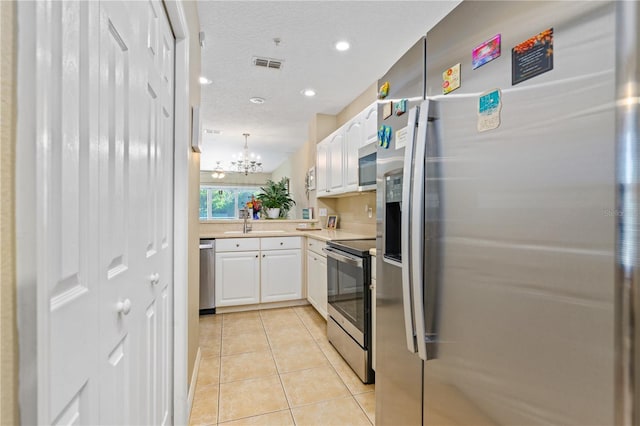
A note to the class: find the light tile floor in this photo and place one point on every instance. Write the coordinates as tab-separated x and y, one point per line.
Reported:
276	367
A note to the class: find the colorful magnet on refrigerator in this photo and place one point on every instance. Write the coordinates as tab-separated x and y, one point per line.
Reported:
384	90
387	109
384	136
400	107
489	107
485	52
388	132
451	79
381	136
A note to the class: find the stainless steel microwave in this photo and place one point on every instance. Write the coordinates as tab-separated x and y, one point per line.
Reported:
367	167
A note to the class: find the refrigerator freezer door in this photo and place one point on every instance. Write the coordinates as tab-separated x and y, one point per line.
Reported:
398	371
525	325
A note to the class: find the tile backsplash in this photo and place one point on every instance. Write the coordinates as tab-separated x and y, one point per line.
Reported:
352	212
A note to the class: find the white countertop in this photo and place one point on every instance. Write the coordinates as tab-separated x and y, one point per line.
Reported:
322	235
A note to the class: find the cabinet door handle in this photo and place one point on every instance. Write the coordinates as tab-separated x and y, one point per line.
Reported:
281	243
256	256
237	245
263	255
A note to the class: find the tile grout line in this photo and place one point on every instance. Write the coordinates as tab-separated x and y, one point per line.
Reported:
351	394
277	370
220	369
366	416
308	322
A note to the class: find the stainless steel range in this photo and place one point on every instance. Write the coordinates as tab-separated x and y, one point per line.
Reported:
349	296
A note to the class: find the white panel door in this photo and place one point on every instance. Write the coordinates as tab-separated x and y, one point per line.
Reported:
104	194
352	141
237	278
281	275
66	193
157	186
136	164
118	234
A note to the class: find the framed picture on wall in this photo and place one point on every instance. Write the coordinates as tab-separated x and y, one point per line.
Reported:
332	221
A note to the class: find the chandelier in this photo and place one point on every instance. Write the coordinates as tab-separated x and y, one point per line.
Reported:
218	173
247	163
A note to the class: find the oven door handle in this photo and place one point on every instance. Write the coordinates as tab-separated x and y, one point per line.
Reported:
342	258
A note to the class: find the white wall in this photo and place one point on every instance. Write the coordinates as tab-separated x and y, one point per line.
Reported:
236	179
295	168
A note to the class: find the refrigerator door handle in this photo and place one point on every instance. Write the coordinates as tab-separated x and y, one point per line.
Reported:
417	229
407	300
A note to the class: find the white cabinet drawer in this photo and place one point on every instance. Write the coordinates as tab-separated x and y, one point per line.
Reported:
316	246
280	243
237	244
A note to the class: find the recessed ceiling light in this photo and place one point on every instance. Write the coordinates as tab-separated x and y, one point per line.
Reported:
204	81
342	45
257	100
309	92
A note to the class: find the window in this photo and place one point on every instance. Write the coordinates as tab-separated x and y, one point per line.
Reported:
223	202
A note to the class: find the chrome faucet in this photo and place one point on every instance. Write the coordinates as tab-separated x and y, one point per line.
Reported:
246	226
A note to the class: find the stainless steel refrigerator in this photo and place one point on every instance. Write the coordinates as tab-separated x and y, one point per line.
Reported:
497	220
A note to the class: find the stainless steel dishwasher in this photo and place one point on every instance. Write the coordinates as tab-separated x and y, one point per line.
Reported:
207	277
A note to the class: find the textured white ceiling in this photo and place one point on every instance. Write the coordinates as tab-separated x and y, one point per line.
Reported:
379	33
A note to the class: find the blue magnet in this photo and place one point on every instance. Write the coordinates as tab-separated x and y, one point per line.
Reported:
384	136
400	107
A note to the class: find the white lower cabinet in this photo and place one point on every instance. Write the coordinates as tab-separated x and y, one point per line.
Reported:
281	275
317	276
237	278
317	282
258	270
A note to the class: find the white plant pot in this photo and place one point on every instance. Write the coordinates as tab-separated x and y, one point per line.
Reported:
273	213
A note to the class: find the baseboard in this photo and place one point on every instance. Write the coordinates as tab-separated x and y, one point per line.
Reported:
258	306
192	387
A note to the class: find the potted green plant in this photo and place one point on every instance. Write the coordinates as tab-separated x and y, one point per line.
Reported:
275	198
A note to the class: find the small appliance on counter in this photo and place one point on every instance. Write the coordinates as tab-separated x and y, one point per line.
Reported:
207	277
349	327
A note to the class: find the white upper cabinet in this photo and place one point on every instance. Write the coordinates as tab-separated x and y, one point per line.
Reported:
353	141
336	161
329	165
322	167
370	123
337	155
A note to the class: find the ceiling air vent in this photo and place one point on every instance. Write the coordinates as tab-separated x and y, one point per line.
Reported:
275	64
